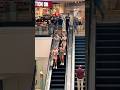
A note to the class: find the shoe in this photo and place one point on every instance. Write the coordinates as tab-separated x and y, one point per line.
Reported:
56	67
60	63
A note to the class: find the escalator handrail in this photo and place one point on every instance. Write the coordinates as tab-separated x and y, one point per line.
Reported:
73	62
90	68
67	67
68	75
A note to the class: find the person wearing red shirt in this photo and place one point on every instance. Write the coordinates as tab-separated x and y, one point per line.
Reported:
80	77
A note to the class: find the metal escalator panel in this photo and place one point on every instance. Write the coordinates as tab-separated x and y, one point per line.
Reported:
80	55
58	77
108	57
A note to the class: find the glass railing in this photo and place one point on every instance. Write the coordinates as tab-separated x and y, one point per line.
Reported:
43	29
46	81
68	75
73	61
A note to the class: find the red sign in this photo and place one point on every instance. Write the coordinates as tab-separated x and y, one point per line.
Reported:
38	4
46	4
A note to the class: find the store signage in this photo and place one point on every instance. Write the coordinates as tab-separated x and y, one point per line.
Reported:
39	4
47	4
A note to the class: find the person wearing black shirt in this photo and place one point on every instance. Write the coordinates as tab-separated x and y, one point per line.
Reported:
67	23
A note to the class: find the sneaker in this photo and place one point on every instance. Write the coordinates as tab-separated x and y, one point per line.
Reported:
56	67
62	63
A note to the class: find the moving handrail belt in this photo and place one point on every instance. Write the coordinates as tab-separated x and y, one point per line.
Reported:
69	81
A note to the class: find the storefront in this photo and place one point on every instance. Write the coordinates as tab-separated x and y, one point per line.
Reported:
42	8
48	8
57	9
76	8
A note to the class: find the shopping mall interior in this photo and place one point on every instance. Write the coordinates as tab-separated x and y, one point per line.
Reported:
59	44
49	15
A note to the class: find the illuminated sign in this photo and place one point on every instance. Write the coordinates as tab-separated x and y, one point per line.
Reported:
46	4
39	4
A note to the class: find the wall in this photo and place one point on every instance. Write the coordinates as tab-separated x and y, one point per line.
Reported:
42	46
17	83
42	51
17	57
111	11
16	50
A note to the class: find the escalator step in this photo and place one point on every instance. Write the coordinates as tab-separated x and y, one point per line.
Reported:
80	54
108	56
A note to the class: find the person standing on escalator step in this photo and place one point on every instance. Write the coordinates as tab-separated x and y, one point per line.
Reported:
61	54
56	40
60	24
64	40
55	57
80	77
67	23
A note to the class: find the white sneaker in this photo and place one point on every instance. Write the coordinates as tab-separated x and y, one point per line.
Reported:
56	67
62	63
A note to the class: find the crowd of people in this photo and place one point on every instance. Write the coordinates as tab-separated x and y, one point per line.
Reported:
49	24
79	24
59	48
52	23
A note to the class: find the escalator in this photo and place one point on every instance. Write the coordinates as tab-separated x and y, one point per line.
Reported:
108	57
58	77
79	54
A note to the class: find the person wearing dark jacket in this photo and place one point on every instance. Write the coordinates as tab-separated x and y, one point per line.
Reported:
67	23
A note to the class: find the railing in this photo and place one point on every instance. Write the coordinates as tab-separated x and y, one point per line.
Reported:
49	69
73	62
68	75
90	47
43	30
